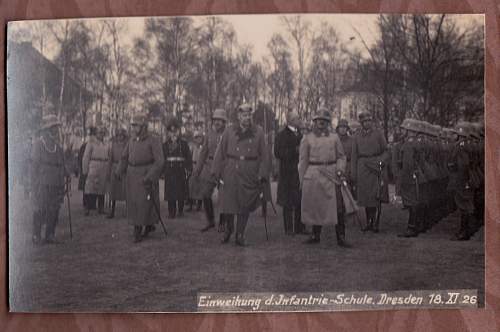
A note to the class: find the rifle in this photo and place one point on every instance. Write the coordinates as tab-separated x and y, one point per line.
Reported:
265	212
150	197
379	194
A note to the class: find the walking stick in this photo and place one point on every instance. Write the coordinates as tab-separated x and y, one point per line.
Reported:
265	212
69	208
157	210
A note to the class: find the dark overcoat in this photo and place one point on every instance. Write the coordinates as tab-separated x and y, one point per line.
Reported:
241	159
407	173
178	166
286	150
142	161
47	175
368	149
459	184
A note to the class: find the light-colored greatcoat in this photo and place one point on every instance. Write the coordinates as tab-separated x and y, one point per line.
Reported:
142	160
116	185
319	200
95	166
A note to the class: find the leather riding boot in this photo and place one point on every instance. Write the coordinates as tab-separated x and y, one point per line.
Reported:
369	219
222	223
340	232
100	204
111	214
375	220
315	237
50	229
241	225
229	221
148	229
412	228
137	234
462	234
209	213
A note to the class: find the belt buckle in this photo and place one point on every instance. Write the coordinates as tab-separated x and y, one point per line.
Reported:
242	157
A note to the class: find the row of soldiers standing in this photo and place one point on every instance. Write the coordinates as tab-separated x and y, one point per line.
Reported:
439	170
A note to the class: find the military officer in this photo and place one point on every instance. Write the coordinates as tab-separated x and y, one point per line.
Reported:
95	169
321	167
142	162
116	185
459	165
47	179
178	168
203	168
241	163
286	150
408	176
369	157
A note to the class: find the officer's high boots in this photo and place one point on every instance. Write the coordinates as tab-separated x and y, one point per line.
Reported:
229	221
137	234
370	218
315	237
241	226
209	213
375	220
340	231
111	214
412	230
100	204
37	227
222	223
463	232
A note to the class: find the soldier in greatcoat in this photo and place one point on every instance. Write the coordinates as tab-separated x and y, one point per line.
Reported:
203	168
459	183
241	163
116	185
142	162
286	150
369	157
47	179
95	168
407	168
321	172
177	169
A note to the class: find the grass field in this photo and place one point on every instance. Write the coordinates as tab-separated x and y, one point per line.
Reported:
100	269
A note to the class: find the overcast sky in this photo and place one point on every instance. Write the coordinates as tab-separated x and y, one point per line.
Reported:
257	30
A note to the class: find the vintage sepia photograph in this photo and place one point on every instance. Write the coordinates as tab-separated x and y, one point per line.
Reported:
246	163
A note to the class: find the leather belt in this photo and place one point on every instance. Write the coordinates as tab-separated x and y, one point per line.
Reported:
51	164
241	157
175	159
146	163
318	163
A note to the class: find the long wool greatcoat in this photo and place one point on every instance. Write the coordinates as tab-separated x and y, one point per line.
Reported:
347	141
459	183
116	184
240	161
195	189
178	164
286	149
408	166
203	166
47	174
95	166
142	160
319	194
368	149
